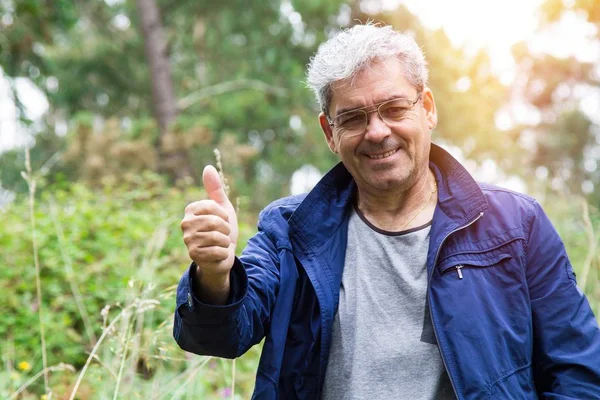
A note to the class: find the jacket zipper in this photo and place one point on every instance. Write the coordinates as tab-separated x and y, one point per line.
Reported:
458	271
429	296
455	269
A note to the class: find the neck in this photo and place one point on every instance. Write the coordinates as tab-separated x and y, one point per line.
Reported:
401	210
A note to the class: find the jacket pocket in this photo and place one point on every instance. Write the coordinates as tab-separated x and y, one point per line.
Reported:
460	263
484	319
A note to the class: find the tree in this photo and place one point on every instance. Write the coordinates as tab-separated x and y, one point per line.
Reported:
238	80
164	102
563	144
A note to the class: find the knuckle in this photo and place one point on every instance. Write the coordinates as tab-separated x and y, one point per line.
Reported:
221	239
226	228
194	255
201	239
189	239
221	254
200	255
190	208
212	238
216	253
210	224
210	253
215	223
226	241
185	223
201	235
207	207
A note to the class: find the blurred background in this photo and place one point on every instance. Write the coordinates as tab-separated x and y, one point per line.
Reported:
109	110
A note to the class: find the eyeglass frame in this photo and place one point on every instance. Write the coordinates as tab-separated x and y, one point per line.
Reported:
375	107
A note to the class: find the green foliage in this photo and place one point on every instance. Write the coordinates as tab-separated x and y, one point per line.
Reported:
119	246
102	74
556	87
217	55
579	226
32	22
44	156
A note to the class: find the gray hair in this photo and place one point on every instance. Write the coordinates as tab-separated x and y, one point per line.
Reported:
354	49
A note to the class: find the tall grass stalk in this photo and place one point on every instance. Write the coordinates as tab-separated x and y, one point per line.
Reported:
147	269
31	183
92	355
123	357
138	306
58	367
233	379
106	367
237	211
71	276
191	372
592	245
220	169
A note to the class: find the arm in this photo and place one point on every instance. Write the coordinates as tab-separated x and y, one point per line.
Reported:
229	330
566	343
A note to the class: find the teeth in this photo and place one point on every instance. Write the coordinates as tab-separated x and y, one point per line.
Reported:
384	155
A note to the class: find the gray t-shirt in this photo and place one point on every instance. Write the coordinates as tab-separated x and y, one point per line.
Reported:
383	344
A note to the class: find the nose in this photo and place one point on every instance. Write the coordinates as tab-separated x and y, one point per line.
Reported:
377	130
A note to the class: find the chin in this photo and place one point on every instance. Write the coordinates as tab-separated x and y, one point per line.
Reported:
387	184
393	176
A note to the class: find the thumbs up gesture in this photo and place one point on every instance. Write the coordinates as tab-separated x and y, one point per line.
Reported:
210	232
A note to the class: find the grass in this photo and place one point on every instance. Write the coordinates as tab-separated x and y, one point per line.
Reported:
31	184
106	265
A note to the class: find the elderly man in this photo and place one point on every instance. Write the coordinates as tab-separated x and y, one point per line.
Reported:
398	276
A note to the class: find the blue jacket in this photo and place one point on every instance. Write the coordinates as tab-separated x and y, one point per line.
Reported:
514	327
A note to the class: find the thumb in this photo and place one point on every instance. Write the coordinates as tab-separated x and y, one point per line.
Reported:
214	186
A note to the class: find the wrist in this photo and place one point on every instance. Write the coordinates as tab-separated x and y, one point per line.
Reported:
211	288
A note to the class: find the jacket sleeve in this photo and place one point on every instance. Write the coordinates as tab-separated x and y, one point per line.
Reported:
566	353
230	330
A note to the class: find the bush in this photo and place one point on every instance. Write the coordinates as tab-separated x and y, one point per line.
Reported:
118	251
578	224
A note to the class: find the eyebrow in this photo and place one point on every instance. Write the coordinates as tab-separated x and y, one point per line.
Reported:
347	109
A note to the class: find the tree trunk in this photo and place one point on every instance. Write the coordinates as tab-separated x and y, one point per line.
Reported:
163	96
174	162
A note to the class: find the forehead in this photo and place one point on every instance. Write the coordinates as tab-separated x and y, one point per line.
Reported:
378	81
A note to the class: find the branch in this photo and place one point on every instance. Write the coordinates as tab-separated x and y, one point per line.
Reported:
230	86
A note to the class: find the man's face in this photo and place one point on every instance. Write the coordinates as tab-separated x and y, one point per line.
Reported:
385	157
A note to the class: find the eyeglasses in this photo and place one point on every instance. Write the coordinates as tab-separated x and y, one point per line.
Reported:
353	123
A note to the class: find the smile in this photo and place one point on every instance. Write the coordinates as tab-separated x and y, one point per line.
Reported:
384	155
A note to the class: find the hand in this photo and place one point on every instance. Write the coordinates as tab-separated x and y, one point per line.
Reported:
210	232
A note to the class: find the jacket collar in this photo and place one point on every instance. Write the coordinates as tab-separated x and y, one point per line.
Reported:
459	197
323	209
327	205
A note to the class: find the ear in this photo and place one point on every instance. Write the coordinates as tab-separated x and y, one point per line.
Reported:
430	109
328	132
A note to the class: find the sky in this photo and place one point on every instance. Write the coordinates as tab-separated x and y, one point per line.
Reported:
35	103
493	25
